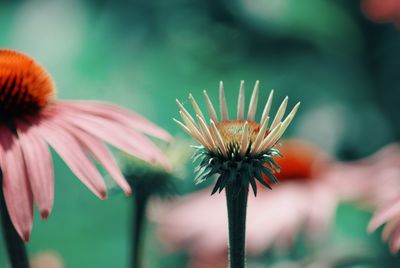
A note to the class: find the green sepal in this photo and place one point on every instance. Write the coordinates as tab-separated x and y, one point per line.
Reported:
269	174
259	177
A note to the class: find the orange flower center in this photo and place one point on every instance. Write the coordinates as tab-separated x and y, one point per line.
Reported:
301	161
232	132
25	87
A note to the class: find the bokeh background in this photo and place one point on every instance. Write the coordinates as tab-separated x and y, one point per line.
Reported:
140	54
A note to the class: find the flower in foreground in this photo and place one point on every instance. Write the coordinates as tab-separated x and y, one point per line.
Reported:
240	152
31	119
275	218
238	148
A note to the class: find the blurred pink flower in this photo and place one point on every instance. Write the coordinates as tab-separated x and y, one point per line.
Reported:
382	10
47	259
30	119
390	216
374	182
198	222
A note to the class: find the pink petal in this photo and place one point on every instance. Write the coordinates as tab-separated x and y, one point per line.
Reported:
71	152
115	113
17	192
384	215
102	154
395	240
390	227
39	166
117	135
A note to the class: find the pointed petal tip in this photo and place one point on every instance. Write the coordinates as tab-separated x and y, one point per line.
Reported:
372	226
44	214
128	192
26	236
103	195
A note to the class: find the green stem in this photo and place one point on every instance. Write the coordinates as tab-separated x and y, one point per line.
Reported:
14	244
236	201
138	222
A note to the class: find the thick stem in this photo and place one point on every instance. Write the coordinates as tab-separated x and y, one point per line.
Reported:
14	244
138	221
236	201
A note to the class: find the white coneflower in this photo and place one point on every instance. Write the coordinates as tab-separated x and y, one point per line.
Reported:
236	148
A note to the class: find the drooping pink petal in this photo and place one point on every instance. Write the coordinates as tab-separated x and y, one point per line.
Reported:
117	135
115	113
384	215
39	167
71	152
390	228
102	155
395	240
17	191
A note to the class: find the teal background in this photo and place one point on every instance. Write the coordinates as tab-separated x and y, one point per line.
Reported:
144	54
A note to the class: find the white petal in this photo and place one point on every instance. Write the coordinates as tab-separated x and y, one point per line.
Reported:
260	136
219	139
265	144
210	107
222	102
194	130
185	111
196	107
280	112
253	103
240	105
245	139
206	132
267	107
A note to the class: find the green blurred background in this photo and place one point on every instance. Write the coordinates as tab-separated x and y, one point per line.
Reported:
144	54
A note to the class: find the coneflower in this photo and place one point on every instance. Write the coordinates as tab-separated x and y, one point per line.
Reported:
31	119
239	151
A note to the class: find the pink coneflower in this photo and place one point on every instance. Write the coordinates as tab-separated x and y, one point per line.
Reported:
374	183
390	216
197	222
31	119
382	10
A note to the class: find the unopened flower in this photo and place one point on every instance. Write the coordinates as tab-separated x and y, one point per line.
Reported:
240	148
155	180
31	119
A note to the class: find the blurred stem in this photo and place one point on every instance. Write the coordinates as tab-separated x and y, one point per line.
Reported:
236	201
138	223
14	244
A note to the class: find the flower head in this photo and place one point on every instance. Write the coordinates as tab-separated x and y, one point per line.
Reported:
153	180
236	148
31	119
